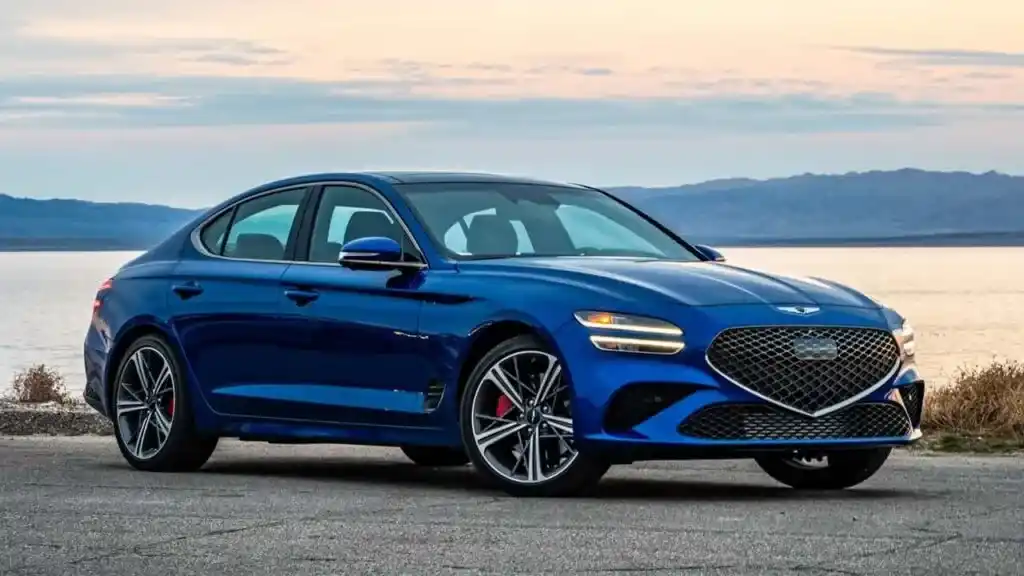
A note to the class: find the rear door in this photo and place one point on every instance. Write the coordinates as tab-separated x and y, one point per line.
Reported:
361	358
227	304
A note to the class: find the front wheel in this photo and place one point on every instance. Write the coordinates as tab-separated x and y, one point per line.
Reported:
826	471
517	423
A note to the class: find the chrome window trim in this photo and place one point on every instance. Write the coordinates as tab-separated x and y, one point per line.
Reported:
835	407
197	243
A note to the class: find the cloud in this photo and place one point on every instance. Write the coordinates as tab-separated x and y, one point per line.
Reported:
22	49
139	101
944	57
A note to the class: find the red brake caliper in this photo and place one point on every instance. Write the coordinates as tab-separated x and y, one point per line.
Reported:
170	406
504	406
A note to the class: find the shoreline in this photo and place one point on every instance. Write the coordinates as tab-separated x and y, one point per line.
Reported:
78	420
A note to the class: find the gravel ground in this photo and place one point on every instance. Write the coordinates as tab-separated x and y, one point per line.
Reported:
51	420
71	506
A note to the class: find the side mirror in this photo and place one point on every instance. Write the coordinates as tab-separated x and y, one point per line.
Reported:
374	253
710	253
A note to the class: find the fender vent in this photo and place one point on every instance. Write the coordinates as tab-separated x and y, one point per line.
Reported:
435	392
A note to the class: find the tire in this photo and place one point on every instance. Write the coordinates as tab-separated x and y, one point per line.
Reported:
183	449
845	469
548	439
435	456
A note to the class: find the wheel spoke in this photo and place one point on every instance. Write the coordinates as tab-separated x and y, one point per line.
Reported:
547	381
497	376
161	423
129	406
130	392
559	435
140	436
160	386
142	371
559	423
486	439
525	390
534	460
493	418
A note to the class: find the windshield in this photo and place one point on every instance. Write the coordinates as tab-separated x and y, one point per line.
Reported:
498	220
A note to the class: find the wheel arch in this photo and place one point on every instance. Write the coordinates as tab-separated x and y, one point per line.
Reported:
486	336
127	336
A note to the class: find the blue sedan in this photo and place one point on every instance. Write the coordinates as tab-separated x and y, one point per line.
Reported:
540	331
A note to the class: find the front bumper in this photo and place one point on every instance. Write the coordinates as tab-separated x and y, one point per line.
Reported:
678	406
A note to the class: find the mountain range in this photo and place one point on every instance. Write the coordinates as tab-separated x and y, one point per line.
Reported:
901	207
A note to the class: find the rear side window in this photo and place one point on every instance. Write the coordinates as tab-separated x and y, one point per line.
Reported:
212	237
258	229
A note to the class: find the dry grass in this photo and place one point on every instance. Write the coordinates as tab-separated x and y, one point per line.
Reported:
983	404
40	384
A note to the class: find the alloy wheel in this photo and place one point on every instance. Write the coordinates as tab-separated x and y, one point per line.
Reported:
145	402
522	422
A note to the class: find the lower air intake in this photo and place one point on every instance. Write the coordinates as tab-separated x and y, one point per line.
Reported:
739	422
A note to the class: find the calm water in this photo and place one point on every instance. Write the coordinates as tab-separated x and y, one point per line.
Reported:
966	304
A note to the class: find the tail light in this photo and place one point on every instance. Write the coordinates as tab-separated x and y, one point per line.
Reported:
98	300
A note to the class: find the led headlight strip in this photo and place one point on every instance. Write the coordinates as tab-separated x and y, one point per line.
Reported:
641	334
905	336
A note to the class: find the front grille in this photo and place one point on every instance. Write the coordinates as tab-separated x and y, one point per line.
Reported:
806	368
765	422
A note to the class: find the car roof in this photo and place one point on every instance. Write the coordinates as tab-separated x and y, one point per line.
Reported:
445	177
407	177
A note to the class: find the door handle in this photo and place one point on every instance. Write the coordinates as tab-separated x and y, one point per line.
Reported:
187	290
301	297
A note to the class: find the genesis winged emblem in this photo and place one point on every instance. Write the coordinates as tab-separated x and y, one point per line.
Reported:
798	310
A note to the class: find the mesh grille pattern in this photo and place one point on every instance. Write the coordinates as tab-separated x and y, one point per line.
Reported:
806	368
765	422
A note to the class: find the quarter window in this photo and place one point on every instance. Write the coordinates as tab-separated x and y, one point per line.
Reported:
212	237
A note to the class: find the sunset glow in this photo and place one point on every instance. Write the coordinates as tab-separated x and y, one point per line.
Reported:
490	84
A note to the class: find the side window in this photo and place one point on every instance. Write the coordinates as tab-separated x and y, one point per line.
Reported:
347	213
262	226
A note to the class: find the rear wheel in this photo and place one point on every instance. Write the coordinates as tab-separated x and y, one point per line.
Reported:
436	455
517	423
824	471
153	421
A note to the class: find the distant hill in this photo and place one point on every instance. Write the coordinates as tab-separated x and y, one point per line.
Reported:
902	207
29	224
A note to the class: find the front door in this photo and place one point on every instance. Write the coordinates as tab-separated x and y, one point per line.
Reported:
227	308
364	360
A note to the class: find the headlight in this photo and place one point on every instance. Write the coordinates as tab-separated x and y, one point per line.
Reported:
905	336
662	337
627	323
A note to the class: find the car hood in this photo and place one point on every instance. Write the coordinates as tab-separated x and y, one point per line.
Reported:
690	283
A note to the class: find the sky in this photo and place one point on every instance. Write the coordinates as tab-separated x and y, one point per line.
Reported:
189	102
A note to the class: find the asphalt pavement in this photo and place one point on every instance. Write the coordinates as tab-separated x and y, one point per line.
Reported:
71	506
